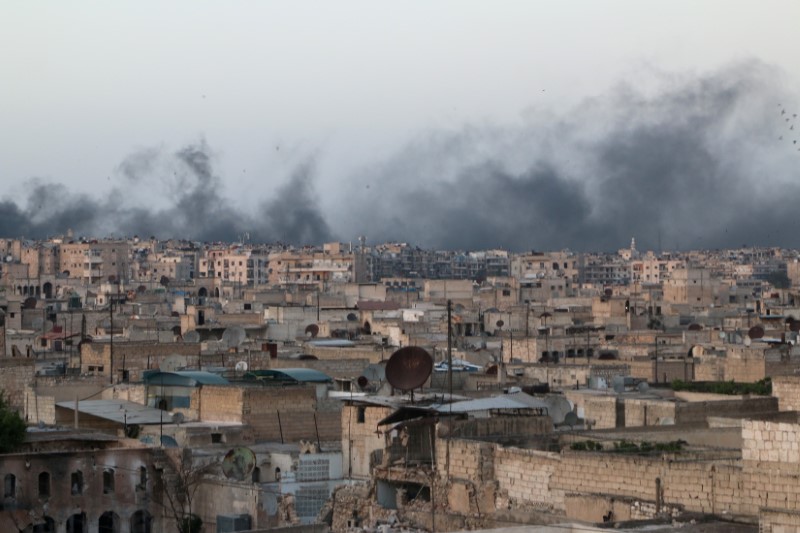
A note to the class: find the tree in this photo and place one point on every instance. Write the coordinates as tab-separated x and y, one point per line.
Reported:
180	480
12	427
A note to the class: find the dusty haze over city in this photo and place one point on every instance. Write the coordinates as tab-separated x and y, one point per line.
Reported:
454	125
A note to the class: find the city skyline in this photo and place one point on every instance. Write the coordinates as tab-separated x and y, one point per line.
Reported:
453	126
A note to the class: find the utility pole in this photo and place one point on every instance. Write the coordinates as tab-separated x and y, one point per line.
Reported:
111	336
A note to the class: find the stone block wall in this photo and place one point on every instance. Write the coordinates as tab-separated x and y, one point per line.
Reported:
787	390
15	376
527	476
602	410
219	403
643	412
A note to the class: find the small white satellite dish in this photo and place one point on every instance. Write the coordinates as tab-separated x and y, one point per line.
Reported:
241	366
747	341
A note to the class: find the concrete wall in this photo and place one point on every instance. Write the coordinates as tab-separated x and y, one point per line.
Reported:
359	439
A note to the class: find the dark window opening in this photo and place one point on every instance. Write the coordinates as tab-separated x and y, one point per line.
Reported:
216	438
44	485
76	482
9	486
361	415
108	481
77	523
142	478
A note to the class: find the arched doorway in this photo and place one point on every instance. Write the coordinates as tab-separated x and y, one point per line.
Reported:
141	522
47	525
108	523
203	292
47	288
77	523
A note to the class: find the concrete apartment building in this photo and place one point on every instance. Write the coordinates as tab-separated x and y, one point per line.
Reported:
95	261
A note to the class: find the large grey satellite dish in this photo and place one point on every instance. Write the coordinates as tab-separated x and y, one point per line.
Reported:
619	388
172	363
191	336
233	336
643	386
571	419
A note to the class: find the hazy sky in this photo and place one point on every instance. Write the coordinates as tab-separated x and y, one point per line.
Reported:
338	91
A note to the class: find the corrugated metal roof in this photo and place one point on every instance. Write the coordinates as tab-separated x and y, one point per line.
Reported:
332	343
120	411
302	375
187	378
505	401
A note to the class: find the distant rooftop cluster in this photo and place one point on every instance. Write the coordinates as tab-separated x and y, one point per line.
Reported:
386	387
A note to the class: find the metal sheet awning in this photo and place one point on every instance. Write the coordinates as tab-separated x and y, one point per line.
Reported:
119	411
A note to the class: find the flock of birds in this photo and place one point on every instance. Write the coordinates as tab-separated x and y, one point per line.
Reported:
790	120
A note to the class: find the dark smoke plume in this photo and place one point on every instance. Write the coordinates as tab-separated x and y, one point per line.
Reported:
697	163
196	207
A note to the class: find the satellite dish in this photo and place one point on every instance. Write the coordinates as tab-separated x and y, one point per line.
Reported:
695	327
29	303
173	362
239	463
351	317
643	386
697	351
241	366
191	336
722	335
233	337
571	419
362	381
408	368
500	323
619	388
747	341
756	332
178	418
312	330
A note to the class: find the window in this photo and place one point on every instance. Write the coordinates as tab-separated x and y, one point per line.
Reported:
108	481
362	415
44	485
10	486
76	483
142	478
216	438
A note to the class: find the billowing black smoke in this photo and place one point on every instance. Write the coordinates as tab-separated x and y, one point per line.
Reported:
196	207
694	162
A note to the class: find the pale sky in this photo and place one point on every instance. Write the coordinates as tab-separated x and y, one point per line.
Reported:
268	84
